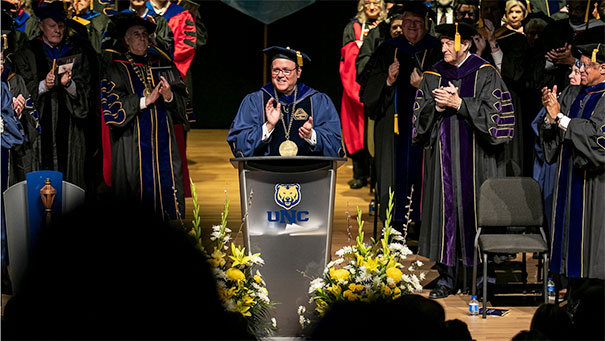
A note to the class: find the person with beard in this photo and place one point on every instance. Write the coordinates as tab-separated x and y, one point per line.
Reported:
286	117
369	15
463	116
388	97
141	108
62	99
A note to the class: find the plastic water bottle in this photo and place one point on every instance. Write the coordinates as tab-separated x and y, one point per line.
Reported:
551	291
473	306
372	208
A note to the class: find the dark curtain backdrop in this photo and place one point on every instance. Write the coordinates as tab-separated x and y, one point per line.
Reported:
231	64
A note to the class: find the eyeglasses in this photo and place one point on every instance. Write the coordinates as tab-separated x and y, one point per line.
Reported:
286	72
408	22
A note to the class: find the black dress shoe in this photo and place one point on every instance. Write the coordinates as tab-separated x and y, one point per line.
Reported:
358	183
439	292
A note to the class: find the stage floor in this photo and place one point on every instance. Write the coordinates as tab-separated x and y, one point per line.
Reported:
213	174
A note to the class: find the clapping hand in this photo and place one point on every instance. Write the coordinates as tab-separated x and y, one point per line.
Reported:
306	131
164	89
18	104
447	96
272	113
549	100
49	81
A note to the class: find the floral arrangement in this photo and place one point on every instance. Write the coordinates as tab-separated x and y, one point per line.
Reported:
241	287
367	271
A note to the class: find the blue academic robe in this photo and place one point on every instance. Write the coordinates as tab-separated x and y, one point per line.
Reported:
245	135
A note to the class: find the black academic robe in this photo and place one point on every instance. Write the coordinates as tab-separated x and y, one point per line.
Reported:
398	163
145	160
25	158
462	149
577	235
62	116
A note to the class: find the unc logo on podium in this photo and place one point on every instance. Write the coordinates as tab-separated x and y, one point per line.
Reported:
287	196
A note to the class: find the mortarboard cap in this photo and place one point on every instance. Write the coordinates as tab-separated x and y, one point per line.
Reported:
415	6
287	53
466	31
54	10
591	50
123	21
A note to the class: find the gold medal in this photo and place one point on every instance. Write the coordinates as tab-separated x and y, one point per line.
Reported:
288	148
146	92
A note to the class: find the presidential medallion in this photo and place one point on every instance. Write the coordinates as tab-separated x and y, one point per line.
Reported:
147	92
288	148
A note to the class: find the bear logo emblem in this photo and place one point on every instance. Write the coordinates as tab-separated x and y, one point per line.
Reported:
287	195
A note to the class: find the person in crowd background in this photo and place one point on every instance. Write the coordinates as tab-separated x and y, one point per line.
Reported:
18	24
140	104
279	118
572	135
354	128
394	75
453	121
162	38
445	11
62	99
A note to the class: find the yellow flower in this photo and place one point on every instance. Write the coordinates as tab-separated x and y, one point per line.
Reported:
234	274
371	264
351	296
340	274
217	258
239	255
355	287
258	279
321	306
225	294
395	274
386	290
243	308
396	293
335	290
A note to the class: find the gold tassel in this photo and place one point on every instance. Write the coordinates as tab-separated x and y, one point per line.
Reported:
596	11
528	6
91	3
396	124
4	42
395	53
587	11
299	58
457	39
593	58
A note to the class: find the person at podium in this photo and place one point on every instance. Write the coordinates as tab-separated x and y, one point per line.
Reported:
286	117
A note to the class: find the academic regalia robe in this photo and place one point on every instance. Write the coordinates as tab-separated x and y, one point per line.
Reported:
62	116
351	110
245	135
578	215
12	136
462	149
146	163
25	157
398	163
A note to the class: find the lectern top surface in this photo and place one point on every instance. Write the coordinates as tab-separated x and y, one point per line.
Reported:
286	159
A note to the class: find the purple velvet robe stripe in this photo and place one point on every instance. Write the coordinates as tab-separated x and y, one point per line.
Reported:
466	214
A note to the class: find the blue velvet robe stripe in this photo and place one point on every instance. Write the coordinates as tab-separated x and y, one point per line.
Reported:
245	134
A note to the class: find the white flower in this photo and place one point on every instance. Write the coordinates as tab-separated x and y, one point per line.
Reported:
422	276
215	235
226	239
263	297
335	262
406	251
227	230
274	322
345	250
363	275
396	247
301	309
301	321
315	284
390	281
411	268
257	260
419	263
216	228
230	305
219	274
